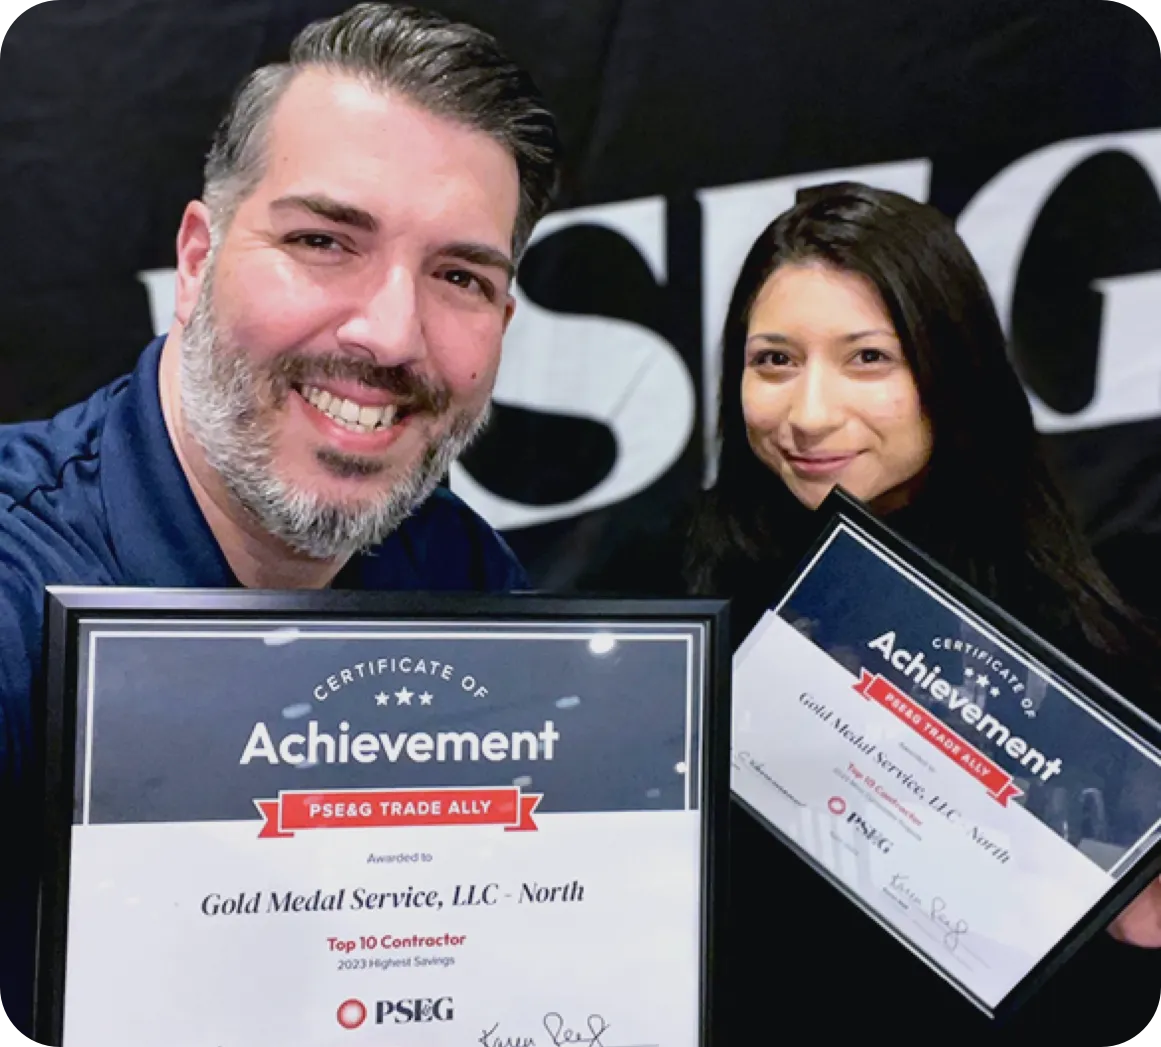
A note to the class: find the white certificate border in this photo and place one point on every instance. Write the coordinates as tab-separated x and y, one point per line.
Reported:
252	629
972	618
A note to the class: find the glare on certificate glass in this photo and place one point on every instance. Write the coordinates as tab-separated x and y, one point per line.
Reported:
602	643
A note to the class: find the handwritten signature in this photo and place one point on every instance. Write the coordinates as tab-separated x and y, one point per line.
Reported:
490	1038
953	930
560	1034
742	760
900	886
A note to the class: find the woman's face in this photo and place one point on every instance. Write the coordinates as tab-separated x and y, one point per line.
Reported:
827	394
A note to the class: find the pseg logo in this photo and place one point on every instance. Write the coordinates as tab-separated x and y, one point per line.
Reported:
353	1013
838	807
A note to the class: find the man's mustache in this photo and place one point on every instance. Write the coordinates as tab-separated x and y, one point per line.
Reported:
411	391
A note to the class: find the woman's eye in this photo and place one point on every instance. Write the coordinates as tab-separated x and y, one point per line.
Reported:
771	358
872	356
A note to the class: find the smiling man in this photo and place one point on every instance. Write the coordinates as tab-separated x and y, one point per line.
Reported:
343	288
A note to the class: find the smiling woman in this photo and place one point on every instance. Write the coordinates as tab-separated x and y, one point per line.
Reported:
827	394
862	349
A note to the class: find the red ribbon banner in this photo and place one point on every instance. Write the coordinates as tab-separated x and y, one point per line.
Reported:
997	781
295	811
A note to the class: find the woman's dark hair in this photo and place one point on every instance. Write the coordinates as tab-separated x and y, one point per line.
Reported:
987	507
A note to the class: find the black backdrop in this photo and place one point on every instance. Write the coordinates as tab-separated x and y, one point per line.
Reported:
687	123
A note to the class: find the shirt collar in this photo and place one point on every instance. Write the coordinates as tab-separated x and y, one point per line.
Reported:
156	527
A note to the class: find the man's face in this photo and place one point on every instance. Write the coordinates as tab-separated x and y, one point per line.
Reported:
347	328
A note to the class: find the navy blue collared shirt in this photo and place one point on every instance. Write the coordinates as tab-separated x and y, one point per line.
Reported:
96	496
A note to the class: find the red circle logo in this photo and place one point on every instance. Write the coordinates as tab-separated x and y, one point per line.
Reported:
837	805
352	1014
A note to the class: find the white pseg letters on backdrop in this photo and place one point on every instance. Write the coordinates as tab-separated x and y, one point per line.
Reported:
996	225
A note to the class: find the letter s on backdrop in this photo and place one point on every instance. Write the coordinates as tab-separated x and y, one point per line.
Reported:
614	372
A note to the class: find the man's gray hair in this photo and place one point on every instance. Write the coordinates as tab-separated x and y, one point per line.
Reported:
449	68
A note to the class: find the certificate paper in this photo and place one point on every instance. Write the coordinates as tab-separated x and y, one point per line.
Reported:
342	832
967	797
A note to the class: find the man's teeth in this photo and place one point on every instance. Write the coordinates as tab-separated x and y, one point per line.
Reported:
350	415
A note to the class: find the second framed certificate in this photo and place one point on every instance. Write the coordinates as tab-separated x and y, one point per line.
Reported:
334	819
984	799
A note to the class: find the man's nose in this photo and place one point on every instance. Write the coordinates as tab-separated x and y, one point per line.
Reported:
816	407
385	323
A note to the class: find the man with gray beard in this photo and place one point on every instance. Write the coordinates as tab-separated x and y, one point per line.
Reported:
343	287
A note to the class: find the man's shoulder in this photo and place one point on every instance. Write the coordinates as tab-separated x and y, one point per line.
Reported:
445	508
461	546
450	546
51	514
52	532
39	457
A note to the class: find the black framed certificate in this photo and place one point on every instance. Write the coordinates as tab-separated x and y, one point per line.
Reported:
335	818
983	798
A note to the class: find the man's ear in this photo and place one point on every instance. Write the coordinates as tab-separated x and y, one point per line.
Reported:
193	250
509	310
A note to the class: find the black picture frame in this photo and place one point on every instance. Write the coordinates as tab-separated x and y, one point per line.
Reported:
69	607
842	510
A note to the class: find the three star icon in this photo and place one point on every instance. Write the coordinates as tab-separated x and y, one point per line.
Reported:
983	680
403	697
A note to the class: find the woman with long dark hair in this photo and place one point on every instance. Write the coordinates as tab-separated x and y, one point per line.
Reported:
862	349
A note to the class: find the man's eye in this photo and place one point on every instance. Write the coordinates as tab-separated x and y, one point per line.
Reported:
315	241
469	281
